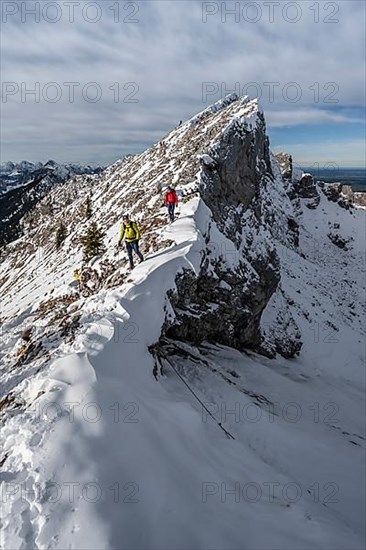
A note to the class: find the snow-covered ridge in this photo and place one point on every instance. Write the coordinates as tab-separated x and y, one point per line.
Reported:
26	166
129	186
23	185
14	175
254	261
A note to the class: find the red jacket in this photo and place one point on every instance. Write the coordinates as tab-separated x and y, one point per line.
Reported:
171	197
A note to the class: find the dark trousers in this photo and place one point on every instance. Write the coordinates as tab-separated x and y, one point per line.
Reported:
133	247
171	208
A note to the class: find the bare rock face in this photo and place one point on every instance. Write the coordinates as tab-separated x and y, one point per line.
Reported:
224	301
233	180
218	306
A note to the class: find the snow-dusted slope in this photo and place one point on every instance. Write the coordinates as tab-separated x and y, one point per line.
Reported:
223	448
24	185
13	176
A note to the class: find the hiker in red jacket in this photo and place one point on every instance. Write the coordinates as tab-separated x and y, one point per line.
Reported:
171	201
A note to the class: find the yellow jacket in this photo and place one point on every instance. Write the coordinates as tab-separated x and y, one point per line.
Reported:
129	232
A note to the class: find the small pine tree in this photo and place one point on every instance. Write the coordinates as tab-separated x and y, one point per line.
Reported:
88	209
61	235
92	241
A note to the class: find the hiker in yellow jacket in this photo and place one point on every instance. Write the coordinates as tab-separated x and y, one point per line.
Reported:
130	235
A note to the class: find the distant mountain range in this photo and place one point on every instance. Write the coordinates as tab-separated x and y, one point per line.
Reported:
24	173
24	184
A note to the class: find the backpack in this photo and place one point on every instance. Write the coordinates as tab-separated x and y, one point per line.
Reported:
171	196
131	227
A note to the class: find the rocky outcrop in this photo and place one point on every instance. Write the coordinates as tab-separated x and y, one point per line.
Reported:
343	195
230	184
339	241
280	333
285	162
298	184
305	188
359	199
293	227
224	301
221	305
333	192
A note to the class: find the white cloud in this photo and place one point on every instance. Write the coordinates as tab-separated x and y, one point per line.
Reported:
169	53
344	153
310	116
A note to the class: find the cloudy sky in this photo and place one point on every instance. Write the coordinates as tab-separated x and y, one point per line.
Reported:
92	81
